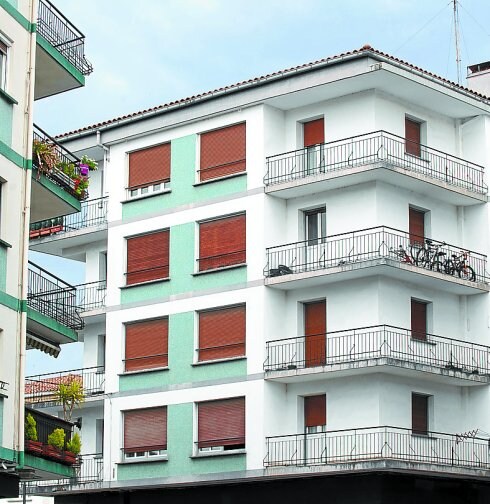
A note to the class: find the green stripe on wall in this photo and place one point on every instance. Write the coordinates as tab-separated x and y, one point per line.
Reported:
12	302
12	10
11	155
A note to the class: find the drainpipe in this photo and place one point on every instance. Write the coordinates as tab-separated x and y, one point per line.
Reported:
106	158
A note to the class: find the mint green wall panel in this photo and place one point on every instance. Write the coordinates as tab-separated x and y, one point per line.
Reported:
3	268
180	449
5	122
182	178
182	262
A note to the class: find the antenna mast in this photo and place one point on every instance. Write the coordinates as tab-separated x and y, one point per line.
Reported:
456	37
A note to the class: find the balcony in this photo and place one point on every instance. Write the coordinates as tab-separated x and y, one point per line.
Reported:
361	350
52	312
376	447
87	226
91	296
61	64
54	193
376	251
375	156
41	389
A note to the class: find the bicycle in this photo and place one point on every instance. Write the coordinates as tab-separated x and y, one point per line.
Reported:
460	264
429	256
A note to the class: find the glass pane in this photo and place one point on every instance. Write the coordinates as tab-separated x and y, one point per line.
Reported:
311	228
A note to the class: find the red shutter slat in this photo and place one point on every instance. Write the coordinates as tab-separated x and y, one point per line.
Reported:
315	410
313	133
315	333
222	333
221	423
222	242
223	152
148	257
412	137
420	414
149	166
145	430
146	344
416	227
419	320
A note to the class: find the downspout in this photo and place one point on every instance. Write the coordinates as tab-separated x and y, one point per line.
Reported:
106	158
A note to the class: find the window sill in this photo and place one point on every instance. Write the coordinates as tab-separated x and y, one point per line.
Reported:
140	371
145	283
224	268
144	196
224	453
8	98
219	179
219	361
5	244
161	458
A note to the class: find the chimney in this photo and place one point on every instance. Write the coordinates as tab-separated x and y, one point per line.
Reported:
478	78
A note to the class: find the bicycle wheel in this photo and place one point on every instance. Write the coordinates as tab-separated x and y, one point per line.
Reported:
422	258
438	266
449	267
467	273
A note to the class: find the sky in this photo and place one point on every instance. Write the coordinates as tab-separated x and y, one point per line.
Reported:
151	52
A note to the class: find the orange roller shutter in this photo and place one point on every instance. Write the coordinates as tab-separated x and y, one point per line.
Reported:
223	152
313	133
146	344
315	333
416	226
420	414
419	319
412	137
145	430
149	166
315	410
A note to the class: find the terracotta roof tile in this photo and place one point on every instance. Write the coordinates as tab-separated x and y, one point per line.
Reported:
50	384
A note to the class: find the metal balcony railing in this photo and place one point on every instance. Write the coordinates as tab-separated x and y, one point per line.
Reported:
63	36
91	296
43	388
375	244
63	156
53	297
377	443
45	425
376	147
93	213
382	341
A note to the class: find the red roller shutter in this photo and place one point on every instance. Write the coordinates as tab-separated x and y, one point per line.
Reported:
412	137
315	333
147	257
222	333
222	423
145	430
315	410
419	414
419	320
223	152
222	242
149	166
146	344
416	227
313	133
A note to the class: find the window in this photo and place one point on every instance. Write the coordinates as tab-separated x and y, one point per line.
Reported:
315	321
420	414
3	65
222	242
315	225
223	152
222	333
419	320
221	425
145	433
149	170
101	350
412	137
416	226
315	413
146	345
313	140
99	435
147	257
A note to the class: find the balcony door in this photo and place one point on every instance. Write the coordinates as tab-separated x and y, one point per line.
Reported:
313	143
315	321
315	224
315	411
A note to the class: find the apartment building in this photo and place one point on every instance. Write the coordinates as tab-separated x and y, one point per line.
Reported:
287	292
41	54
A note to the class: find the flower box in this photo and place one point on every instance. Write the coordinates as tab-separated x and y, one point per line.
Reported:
52	452
34	447
70	458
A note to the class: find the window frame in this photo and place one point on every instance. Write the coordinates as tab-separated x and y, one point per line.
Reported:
427	398
321	225
4	57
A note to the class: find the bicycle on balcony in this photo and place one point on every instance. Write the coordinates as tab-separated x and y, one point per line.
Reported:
431	256
459	264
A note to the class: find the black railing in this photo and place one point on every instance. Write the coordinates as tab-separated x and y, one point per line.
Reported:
376	147
91	296
93	213
375	342
88	470
46	424
53	297
43	388
63	157
391	246
377	443
3	386
63	36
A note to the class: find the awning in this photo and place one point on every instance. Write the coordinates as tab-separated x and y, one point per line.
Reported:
43	345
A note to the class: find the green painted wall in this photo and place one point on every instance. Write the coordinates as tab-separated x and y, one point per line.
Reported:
179	449
6	112
180	358
13	3
49	466
182	178
182	262
3	268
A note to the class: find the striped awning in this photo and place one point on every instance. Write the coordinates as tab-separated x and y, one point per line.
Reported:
43	345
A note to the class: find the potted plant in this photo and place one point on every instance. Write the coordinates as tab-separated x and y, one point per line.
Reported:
32	444
70	394
45	155
88	164
73	448
56	443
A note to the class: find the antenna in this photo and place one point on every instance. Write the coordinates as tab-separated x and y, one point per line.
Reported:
456	37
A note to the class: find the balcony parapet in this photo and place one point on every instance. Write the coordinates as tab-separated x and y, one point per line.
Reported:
91	296
379	147
376	245
63	35
374	444
53	297
376	345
